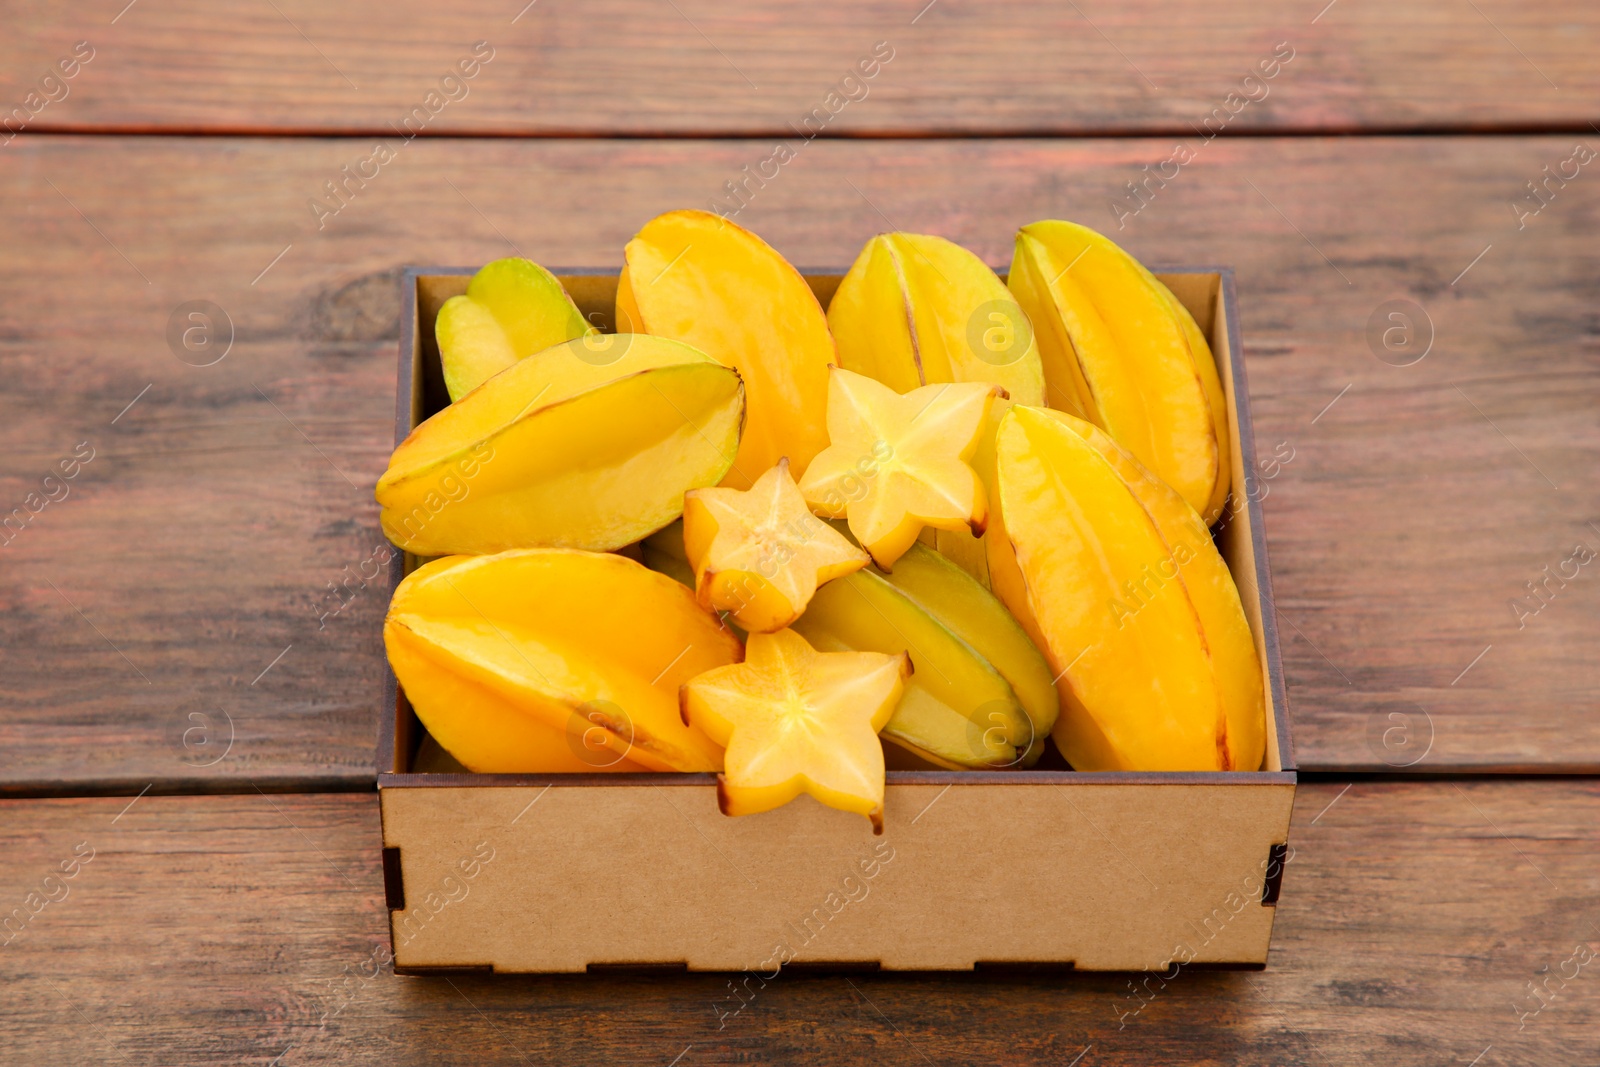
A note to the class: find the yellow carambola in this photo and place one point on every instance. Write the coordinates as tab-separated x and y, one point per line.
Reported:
1121	352
760	554
1195	563
554	660
896	463
573	446
796	720
915	309
965	548
953	597
958	709
512	309
1154	674
701	279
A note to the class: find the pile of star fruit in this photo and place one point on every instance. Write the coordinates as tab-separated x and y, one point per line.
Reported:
946	523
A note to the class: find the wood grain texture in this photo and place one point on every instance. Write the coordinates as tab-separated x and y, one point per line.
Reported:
198	545
692	66
252	930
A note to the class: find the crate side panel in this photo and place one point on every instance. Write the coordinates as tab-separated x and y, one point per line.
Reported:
432	291
1198	292
1208	297
1104	877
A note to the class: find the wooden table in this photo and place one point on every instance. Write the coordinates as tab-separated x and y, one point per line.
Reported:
189	730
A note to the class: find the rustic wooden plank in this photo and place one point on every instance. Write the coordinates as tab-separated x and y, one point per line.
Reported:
694	67
1414	918
183	581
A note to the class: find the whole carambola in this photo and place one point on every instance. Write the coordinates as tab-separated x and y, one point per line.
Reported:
916	309
552	660
704	280
512	308
1121	352
1116	578
564	449
958	710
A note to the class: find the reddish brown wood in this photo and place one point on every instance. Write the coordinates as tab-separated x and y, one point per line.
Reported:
252	929
694	67
201	539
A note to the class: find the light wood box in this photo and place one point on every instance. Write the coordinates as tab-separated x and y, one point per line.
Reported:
566	873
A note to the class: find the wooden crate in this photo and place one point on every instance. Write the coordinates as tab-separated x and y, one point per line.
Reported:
1111	871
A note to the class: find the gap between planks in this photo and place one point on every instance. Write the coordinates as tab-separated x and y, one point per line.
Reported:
762	133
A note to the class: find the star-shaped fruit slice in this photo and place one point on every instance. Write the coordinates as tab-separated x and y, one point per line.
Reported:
795	720
898	462
761	554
